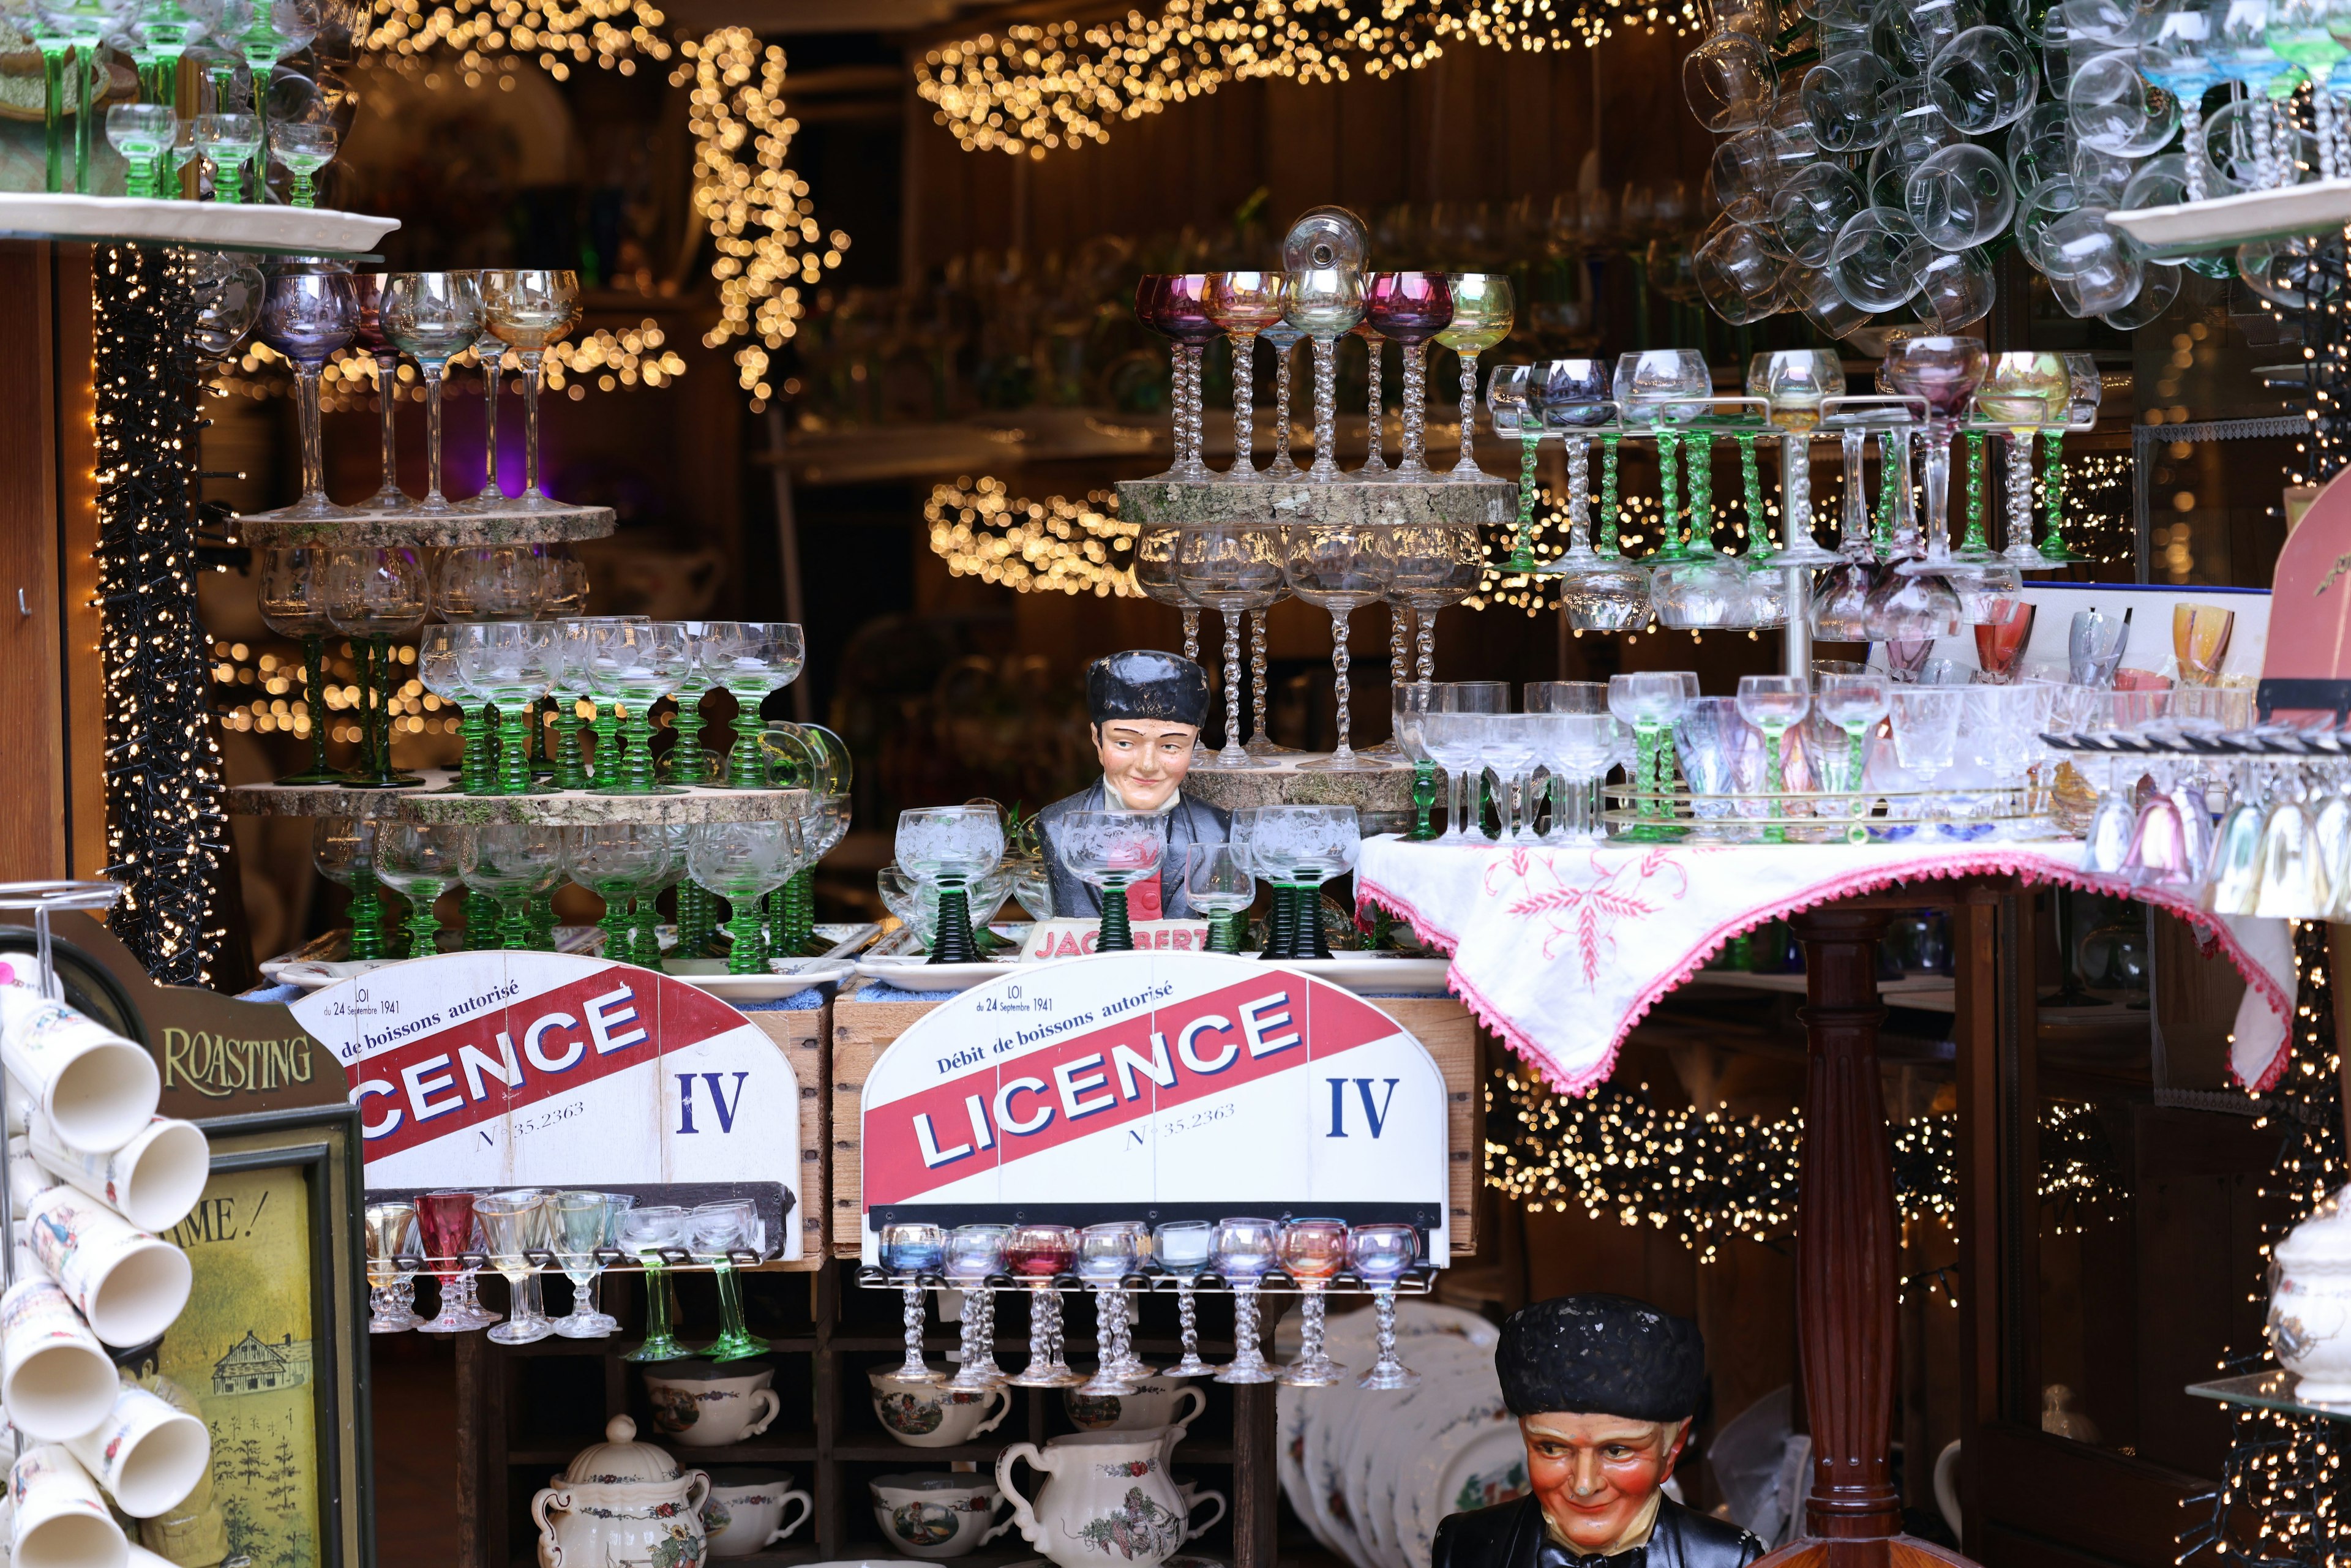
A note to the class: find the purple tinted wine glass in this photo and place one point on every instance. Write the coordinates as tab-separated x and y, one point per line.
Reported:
1411	307
1181	311
306	315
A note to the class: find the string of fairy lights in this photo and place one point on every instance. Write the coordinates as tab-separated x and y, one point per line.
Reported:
1035	88
1710	1176
166	832
1053	546
603	359
485	36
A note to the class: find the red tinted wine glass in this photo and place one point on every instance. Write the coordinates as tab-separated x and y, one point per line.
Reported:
1411	307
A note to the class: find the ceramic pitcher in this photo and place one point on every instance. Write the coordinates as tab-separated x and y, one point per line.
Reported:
1107	1499
2310	1303
622	1504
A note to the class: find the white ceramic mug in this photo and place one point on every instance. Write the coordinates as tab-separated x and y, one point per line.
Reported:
931	1416
148	1454
703	1404
937	1513
1193	1495
744	1512
56	1380
96	1088
128	1285
152	1181
25	1179
57	1518
1153	1404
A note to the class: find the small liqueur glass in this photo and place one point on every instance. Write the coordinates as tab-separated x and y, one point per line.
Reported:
975	1256
1380	1253
715	1232
583	1223
1313	1252
1037	1255
909	1251
1242	1251
1107	1254
391	1235
446	1222
649	1232
514	1225
1181	1248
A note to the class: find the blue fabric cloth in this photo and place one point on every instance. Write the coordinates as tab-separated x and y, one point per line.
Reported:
270	994
798	1002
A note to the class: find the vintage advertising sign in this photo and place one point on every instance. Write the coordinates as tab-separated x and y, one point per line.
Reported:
1154	1086
502	1070
1072	936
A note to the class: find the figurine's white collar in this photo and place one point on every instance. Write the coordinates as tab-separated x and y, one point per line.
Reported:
1111	791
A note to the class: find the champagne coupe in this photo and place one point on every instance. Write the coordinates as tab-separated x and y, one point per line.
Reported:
431	316
1242	1251
530	311
508	664
306	315
514	1224
975	1256
613	860
1482	312
1411	307
1037	1255
1242	305
367	291
715	1232
295	587
422	861
1217	882
1156	550
1182	1248
1774	704
2024	392
1380	1253
305	150
634	664
743	863
952	847
372	596
583	1223
391	1235
1230	568
1339	567
1795	381
446	1222
649	1232
747	660
512	863
1111	851
1324	303
1107	1254
1313	1252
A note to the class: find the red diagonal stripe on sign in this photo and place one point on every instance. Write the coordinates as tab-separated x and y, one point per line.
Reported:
463	1076
1061	1079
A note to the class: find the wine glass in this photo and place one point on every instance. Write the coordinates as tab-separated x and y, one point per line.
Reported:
445	1218
230	140
490	355
1855	704
649	1232
1181	1248
974	1255
583	1223
422	861
633	666
295	586
1242	305
1324	303
1483	310
1926	732
305	150
367	293
1409	706
1108	849
1774	704
512	863
743	863
1242	1251
1176	306
514	1224
306	315
1577	747
431	316
614	860
529	311
343	849
372	596
1216	882
747	660
714	1233
1313	1252
1156	550
1298	848
1509	753
1039	1255
2024	392
1340	568
1107	1254
1382	1253
1411	307
391	1235
489	582
437	668
1946	371
508	664
1651	701
951	848
1795	381
1430	566
1231	567
142	133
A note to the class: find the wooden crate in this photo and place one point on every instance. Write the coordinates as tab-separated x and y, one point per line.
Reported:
861	1030
800	1033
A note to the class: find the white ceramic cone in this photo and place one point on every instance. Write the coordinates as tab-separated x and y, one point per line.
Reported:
55	1379
152	1181
96	1088
128	1285
147	1454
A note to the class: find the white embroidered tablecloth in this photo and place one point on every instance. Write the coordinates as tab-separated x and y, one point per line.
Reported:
1561	950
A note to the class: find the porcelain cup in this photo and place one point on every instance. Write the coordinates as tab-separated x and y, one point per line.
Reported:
1194	1495
57	1518
152	1181
937	1513
55	1379
148	1454
745	1510
931	1415
1153	1403
128	1285
707	1405
96	1088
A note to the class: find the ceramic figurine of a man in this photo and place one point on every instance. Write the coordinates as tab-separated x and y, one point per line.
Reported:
1148	709
1604	1389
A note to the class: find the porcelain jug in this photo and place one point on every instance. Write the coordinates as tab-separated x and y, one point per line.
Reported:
622	1504
1107	1499
2310	1303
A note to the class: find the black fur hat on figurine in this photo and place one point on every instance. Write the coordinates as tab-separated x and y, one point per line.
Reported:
1601	1355
1145	684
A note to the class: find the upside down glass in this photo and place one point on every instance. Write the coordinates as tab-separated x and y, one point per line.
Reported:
649	1232
716	1231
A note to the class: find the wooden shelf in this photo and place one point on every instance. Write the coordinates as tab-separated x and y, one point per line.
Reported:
398	529
436	800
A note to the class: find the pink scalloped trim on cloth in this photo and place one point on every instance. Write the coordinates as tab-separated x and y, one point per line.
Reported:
1620	893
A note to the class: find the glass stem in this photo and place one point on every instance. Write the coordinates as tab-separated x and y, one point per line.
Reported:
730	1305
1234	755
1579	496
1192	633
1383	1305
1457	784
1283	464
1339	688
1425	632
743	936
1467	468
513	924
314	462
1701	493
656	1303
1114	934
532	360
2053	494
743	768
1750	497
53	116
1771	783
1326	409
1399	649
606	763
490	367
1795	491
513	750
1375	460
1522	557
1257	676
1244	407
86	70
571	761
1938	490
1416	409
387	397
303	195
1307	940
2191	128
473	761
1974	540
2020	492
637	750
433	495
1187	1317
1669	492
367	915
314	654
1608	520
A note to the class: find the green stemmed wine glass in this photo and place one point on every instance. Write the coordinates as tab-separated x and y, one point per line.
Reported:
834	772
508	662
614	860
646	919
1651	701
142	133
343	849
715	1230
373	596
1774	704
688	760
742	862
305	150
747	660
422	861
647	1232
294	588
633	666
230	140
513	863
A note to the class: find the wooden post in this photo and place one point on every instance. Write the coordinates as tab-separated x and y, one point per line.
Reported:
475	1548
1256	1488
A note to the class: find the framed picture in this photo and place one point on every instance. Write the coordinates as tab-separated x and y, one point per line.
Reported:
272	1345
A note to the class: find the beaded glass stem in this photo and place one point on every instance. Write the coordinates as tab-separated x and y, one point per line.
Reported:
1669	504
1885	504
1191	614
1751	496
1234	753
1284	466
1416	409
1796	492
1249	1362
1700	469
2020	492
1326	409
1522	557
1400	646
1187	1319
1341	689
1244	408
1608	519
1974	541
1375	460
1189	464
1466	467
2052	495
1257	678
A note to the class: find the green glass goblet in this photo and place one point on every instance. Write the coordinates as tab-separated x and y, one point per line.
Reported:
649	1232
717	1230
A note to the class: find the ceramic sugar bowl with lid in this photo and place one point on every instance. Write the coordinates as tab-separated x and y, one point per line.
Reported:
2310	1303
622	1504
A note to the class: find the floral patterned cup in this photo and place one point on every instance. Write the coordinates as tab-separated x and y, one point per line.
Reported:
937	1515
697	1404
931	1415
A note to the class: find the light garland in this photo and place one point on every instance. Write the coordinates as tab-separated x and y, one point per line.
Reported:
604	358
1056	545
1032	88
770	247
483	36
165	833
261	693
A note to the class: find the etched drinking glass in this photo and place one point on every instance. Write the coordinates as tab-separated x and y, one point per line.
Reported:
431	316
